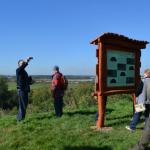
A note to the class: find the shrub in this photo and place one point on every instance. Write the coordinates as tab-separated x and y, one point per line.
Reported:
3	91
8	99
41	98
79	95
11	100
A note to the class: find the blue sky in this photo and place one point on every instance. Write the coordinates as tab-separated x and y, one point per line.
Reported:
59	32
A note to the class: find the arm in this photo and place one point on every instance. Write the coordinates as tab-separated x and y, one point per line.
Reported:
22	67
25	63
28	59
139	89
54	83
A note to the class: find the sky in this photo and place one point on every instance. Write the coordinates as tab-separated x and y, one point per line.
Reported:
58	32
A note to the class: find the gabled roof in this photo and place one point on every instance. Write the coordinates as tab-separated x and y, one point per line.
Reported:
113	38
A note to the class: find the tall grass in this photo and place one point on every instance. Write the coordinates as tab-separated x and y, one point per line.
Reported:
43	131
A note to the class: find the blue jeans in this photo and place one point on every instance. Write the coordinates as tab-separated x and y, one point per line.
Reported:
135	120
96	117
58	105
137	115
23	102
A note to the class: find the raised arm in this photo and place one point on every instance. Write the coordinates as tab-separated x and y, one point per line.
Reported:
24	64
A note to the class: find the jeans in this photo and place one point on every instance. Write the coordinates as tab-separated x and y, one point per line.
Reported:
58	105
137	115
147	112
23	102
135	120
96	117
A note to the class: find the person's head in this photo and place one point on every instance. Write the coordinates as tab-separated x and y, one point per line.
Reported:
20	62
55	69
147	73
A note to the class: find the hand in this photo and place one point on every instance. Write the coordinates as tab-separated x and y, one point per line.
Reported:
30	58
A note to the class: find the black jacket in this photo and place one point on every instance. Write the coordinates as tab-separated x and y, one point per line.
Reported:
22	78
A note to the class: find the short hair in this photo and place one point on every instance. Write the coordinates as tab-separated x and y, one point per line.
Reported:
147	72
56	68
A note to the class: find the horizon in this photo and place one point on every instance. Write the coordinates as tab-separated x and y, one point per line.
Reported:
47	75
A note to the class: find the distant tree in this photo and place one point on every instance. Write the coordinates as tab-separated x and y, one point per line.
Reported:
8	99
3	90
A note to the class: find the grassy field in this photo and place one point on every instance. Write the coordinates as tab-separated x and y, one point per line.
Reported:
43	131
12	85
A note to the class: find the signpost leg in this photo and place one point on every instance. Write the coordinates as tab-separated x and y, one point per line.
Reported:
134	102
101	110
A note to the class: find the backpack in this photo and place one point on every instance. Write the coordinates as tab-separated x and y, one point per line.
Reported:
30	80
64	82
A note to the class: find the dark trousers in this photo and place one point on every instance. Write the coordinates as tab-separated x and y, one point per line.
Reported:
23	102
137	116
135	120
58	105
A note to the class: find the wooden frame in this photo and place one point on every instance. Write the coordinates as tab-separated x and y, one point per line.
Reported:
120	43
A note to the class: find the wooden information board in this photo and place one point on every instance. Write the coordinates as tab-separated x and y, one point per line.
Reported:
117	68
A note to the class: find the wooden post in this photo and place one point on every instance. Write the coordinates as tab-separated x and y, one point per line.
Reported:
101	110
100	121
101	55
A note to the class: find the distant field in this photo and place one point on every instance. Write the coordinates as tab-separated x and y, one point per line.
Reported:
12	85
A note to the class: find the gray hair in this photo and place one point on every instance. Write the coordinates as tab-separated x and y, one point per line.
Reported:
20	61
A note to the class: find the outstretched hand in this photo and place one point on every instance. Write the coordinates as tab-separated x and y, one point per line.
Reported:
29	58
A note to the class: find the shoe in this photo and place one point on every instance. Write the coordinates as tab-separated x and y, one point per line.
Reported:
128	128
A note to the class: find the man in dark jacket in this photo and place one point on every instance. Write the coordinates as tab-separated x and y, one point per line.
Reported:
57	91
23	87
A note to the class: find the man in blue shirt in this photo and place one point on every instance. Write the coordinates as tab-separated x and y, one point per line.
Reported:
23	87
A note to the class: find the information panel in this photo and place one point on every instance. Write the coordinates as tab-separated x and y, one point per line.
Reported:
120	68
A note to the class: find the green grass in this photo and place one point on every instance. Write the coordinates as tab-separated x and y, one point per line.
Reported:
12	85
43	131
37	85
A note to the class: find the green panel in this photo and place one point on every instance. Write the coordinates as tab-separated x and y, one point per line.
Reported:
120	68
